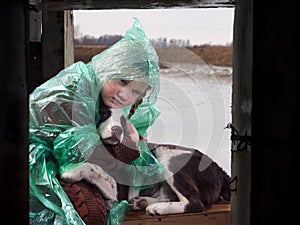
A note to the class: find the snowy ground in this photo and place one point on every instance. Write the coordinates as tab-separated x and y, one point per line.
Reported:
195	105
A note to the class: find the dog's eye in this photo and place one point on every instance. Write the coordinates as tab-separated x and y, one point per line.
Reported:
104	114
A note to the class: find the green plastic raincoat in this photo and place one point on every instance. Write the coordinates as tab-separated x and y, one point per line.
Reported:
64	118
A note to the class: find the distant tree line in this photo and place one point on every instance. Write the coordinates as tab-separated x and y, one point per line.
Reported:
102	40
173	42
111	39
108	40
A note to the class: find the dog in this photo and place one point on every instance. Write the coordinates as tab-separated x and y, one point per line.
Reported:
191	181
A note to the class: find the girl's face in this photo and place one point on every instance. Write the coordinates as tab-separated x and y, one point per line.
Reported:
121	93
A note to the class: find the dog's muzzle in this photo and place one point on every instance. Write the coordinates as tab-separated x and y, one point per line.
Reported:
116	136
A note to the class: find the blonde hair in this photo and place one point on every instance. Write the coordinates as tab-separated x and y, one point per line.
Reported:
134	107
131	112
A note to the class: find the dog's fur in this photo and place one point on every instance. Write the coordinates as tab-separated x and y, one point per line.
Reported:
192	181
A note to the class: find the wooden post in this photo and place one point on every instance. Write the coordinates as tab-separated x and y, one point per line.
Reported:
35	49
57	41
68	38
241	113
52	43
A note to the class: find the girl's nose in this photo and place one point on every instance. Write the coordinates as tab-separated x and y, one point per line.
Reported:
124	94
120	96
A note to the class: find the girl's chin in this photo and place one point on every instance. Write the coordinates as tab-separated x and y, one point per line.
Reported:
110	104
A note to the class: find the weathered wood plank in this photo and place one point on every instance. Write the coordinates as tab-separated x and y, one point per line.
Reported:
129	4
218	214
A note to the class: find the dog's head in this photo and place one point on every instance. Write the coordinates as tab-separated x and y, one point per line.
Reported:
117	148
114	128
112	124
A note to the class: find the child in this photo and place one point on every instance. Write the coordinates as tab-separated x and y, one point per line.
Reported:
64	115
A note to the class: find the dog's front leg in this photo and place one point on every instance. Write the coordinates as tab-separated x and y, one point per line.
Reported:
95	175
141	203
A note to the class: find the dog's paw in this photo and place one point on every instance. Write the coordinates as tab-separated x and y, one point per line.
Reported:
72	175
159	208
102	180
109	203
165	208
107	186
95	175
139	203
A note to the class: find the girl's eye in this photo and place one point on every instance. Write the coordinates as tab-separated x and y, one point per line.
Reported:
136	92
124	82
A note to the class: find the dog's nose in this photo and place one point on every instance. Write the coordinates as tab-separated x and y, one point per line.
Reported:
117	132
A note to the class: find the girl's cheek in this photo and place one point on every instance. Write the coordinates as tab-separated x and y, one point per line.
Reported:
112	90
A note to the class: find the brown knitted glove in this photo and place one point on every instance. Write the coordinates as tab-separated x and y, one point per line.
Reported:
88	202
114	157
124	154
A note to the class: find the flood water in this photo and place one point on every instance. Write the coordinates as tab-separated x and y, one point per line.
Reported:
195	105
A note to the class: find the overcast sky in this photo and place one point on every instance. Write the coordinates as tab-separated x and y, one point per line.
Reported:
200	26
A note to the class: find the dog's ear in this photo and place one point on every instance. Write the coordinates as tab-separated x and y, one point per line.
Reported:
133	133
131	136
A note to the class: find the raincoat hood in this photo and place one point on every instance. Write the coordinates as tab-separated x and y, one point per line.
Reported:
131	58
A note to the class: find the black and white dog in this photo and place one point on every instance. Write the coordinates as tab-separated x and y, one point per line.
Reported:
192	181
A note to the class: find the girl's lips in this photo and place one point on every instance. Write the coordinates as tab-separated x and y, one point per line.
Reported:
116	102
